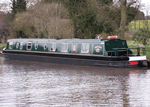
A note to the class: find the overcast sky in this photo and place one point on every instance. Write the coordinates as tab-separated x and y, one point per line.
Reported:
145	9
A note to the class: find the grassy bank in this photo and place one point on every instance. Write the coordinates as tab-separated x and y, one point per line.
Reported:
136	25
131	44
2	46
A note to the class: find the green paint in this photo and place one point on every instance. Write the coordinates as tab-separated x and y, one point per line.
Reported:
102	47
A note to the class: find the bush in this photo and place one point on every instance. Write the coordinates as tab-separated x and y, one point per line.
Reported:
49	20
142	36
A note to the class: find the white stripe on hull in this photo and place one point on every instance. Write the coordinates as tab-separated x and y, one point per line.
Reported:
137	58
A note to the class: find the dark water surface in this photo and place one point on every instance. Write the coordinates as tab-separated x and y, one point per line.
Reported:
34	84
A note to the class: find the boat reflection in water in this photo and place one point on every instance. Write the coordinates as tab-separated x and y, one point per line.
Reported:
43	84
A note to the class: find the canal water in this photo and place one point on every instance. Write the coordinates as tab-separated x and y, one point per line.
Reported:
34	84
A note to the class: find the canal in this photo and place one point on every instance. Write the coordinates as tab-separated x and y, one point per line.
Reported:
34	84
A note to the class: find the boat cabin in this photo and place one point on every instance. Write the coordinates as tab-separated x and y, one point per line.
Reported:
102	47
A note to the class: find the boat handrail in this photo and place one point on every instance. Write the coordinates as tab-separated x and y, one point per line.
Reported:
138	50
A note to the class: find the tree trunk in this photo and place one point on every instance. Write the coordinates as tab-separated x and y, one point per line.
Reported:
134	24
13	8
123	18
75	28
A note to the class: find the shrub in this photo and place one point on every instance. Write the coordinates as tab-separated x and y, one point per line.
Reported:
142	36
49	20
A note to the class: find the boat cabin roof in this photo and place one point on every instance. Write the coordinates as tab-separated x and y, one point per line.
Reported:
56	40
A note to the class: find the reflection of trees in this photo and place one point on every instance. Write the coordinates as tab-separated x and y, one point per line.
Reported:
64	85
124	94
101	90
139	86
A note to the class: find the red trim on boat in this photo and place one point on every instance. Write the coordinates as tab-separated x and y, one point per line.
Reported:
134	72
133	62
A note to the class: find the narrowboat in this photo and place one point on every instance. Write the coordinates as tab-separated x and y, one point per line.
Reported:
112	52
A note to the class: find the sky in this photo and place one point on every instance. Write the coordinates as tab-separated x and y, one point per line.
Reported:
145	9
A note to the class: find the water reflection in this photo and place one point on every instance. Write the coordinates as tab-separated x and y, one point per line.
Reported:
43	84
139	85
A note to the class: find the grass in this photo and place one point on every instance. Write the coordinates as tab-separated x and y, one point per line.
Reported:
136	25
131	44
2	46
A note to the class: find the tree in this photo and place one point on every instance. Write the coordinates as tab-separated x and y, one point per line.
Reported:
91	17
128	13
13	8
4	28
140	16
43	20
18	6
131	14
84	14
4	33
123	17
104	2
21	5
74	7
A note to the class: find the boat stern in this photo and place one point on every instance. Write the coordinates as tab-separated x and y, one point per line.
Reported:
138	60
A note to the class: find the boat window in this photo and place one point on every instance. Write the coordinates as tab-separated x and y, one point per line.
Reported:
10	45
53	46
29	45
21	45
17	45
36	46
45	47
74	47
85	48
64	47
